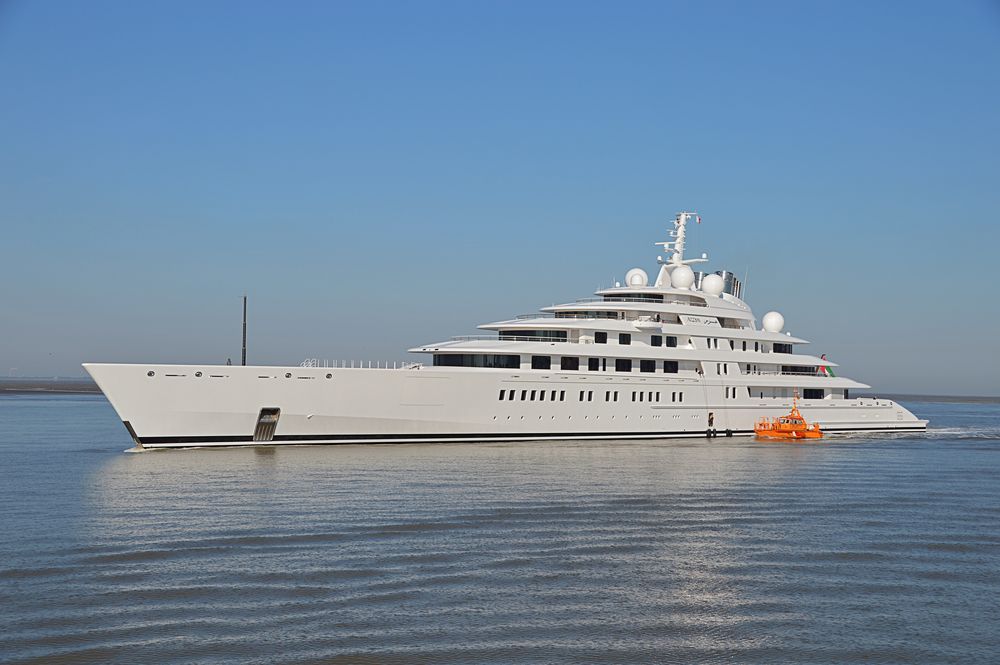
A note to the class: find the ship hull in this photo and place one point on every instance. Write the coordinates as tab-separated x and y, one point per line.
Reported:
177	406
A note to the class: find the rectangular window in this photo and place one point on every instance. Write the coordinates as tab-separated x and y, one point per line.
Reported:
656	340
657	395
649	397
552	397
670	366
541	362
510	396
532	395
671	341
562	395
756	346
732	344
569	363
616	395
640	396
647	365
604	364
533	335
813	393
680	396
476	360
581	395
624	338
541	395
633	395
744	345
524	395
594	364
503	393
847	394
727	393
673	397
623	364
590	395
782	348
600	338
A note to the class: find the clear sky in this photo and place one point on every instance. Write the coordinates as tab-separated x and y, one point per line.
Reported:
381	175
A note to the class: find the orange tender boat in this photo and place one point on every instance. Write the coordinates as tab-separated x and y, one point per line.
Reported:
792	427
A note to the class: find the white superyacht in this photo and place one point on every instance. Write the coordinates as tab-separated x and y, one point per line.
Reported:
681	356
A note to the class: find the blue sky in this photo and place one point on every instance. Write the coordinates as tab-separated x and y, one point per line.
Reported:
380	175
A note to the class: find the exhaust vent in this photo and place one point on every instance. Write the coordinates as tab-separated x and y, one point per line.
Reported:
267	422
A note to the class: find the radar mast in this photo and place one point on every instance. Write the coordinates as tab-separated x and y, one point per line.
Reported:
674	248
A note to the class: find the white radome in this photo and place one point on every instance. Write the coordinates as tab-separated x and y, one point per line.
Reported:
712	285
682	277
773	322
636	278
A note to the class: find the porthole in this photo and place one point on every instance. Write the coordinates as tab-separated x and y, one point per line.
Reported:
197	374
288	375
150	373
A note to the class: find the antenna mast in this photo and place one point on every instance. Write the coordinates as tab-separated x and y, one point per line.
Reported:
244	330
675	247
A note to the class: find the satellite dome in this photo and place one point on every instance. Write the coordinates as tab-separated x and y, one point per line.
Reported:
682	277
773	322
636	278
712	285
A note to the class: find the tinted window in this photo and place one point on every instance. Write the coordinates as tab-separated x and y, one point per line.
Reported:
813	393
624	338
570	362
656	340
647	365
600	338
670	366
476	360
623	365
541	362
671	341
593	364
553	335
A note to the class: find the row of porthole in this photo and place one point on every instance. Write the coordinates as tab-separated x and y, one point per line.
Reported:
596	417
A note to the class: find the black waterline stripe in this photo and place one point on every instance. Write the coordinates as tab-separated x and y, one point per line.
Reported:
498	436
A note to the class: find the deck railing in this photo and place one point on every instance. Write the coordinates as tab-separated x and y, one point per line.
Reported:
359	364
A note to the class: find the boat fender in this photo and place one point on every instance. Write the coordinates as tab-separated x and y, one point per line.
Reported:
729	433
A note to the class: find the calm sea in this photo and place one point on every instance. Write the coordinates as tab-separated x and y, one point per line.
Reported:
854	550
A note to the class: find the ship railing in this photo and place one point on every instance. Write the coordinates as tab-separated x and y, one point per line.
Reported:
360	364
507	338
771	372
655	301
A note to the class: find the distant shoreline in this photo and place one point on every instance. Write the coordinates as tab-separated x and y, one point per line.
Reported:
16	386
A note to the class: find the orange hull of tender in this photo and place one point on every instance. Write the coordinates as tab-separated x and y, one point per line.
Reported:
792	427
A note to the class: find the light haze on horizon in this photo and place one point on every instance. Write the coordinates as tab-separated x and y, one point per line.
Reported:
381	175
